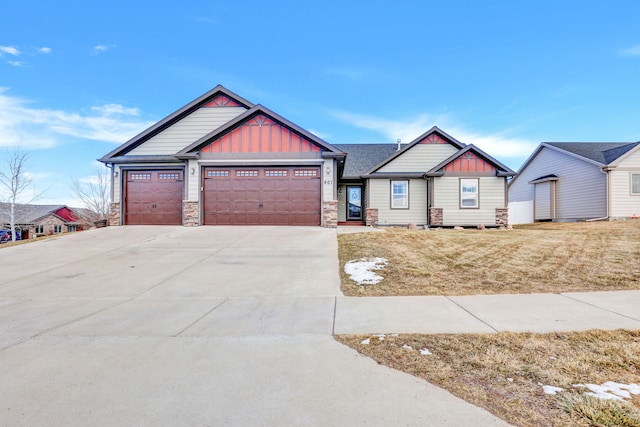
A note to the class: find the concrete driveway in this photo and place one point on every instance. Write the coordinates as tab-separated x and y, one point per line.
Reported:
195	327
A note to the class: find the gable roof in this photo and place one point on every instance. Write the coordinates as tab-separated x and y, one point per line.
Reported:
172	119
363	157
28	214
601	152
502	170
598	153
434	129
191	150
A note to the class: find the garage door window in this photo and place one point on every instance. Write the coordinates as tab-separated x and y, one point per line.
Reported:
306	172
164	176
275	173
140	176
247	173
213	174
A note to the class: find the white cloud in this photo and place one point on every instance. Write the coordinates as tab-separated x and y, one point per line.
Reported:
44	50
16	63
497	145
22	125
9	50
101	48
407	130
116	109
631	51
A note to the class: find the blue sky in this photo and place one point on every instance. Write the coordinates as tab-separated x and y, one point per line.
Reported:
78	78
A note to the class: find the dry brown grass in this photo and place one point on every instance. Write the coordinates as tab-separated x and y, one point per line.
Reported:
538	258
501	372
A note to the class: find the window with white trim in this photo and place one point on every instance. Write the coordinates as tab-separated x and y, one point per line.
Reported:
469	193
57	229
39	229
399	194
635	183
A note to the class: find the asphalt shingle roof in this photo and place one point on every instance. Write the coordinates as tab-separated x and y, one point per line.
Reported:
601	152
26	214
362	157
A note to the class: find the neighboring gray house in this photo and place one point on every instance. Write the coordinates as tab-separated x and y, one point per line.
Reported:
567	181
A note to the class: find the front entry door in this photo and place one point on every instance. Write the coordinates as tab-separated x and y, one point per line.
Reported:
354	203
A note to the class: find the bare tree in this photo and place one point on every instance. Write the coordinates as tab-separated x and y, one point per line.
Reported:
94	192
14	182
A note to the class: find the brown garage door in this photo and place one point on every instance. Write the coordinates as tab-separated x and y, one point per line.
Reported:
154	197
262	196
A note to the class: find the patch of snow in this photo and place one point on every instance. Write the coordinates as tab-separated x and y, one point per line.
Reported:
425	352
362	271
611	390
380	337
365	342
407	347
549	389
510	380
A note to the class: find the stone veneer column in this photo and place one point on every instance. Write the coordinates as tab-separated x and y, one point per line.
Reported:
502	216
435	217
371	217
114	214
330	214
190	213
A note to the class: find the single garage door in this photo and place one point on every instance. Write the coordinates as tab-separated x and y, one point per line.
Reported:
262	196
154	197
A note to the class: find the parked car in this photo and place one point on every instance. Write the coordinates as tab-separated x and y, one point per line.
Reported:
5	236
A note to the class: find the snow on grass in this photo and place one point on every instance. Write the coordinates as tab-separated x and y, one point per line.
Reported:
549	389
362	270
611	390
425	352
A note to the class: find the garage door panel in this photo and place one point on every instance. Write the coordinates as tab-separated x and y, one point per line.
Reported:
154	197
266	196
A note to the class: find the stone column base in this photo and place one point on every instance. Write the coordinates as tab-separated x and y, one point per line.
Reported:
371	217
435	217
330	214
502	216
190	213
114	215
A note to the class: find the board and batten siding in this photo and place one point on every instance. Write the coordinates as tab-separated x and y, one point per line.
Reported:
580	189
379	196
446	195
187	131
420	158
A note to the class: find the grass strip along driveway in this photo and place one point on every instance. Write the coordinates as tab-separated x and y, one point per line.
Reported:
512	375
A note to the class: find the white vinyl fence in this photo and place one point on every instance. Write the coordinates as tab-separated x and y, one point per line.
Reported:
521	212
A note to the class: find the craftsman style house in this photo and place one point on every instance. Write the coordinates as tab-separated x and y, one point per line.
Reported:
221	160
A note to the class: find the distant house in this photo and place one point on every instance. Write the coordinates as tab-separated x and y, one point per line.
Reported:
34	220
222	160
565	181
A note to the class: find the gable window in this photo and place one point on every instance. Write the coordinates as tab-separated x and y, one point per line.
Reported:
469	193
635	183
399	194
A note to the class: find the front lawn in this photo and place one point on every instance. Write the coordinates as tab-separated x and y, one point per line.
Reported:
537	258
513	375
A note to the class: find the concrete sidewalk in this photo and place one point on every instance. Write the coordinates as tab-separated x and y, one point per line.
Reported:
488	313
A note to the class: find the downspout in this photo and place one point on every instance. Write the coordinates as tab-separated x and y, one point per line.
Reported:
605	171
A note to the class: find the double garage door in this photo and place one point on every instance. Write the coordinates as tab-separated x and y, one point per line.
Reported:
230	196
261	196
